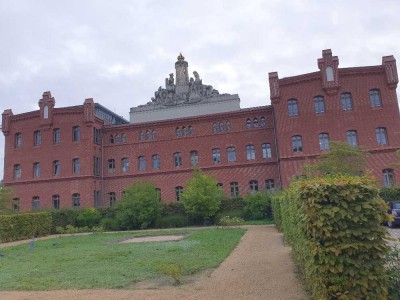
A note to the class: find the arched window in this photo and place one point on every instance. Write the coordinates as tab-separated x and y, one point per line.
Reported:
183	131
37	137
248	123
190	131
221	127
155	161
18	140
118	139
266	150
125	165
17	171
111	165
35	203
381	137
76	200
56	201
293	108
319	104
147	135
375	97
351	136
76	166
297	143
263	122
329	74
177	132
45	112
216	155
111	139
141	136
154	134
231	154
112	198
323	141
56	135
214	127
250	152
228	126
177	159
123	137
255	123
347	103
194	158
142	163
56	168
76	134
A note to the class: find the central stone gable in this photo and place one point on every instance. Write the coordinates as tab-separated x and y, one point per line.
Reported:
183	97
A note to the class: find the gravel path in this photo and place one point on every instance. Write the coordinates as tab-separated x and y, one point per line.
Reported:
260	267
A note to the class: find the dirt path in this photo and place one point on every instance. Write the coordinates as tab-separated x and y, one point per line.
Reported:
259	268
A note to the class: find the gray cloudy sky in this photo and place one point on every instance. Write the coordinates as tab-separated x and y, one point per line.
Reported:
120	52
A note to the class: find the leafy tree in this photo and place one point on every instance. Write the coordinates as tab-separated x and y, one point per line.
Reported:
257	206
202	197
342	159
140	206
6	195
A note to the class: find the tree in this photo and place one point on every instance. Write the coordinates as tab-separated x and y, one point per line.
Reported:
341	159
140	206
202	197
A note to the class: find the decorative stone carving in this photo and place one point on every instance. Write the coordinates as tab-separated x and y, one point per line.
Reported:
184	91
274	86
328	65
389	62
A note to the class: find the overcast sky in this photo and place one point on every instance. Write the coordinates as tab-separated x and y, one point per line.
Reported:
120	52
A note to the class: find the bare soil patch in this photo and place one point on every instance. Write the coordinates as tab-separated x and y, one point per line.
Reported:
157	238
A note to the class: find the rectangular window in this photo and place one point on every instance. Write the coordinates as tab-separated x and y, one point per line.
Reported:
18	140
56	136
15	204
253	186
76	134
177	159
234	189
250	152
112	198
347	103
56	201
293	108
111	166
76	166
297	143
266	150
96	166
76	200
97	136
231	154
37	137
381	137
142	163
96	198
125	165
56	167
216	155
388	178
178	192
319	104
36	169
375	98
351	136
194	158
156	161
323	141
269	185
17	171
35	203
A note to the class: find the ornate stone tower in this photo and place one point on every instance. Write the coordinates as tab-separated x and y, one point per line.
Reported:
182	77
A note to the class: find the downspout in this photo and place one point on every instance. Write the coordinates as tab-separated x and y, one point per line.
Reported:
276	148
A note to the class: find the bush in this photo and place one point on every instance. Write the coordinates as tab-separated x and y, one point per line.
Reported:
257	206
24	226
71	229
230	204
89	217
230	221
393	273
63	217
173	208
334	227
390	194
110	224
239	213
172	221
140	206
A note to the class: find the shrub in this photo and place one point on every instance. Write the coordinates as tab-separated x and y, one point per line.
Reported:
172	221
108	212
173	208
71	229
89	217
111	224
140	206
24	226
257	206
63	217
202	197
334	227
390	194
230	221
230	204
393	273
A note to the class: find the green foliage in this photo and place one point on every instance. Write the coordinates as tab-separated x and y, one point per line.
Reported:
172	221
232	203
173	208
89	217
342	158
257	206
334	227
173	270
24	226
393	273
390	194
140	206
63	217
202	197
71	229
6	196
230	221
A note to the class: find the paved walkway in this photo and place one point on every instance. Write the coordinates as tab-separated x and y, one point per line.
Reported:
260	267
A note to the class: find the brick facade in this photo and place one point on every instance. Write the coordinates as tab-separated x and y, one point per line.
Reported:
95	185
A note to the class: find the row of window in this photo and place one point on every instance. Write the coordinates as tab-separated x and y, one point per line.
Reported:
346	101
76	168
254	123
193	157
37	137
117	138
76	202
351	137
148	135
221	127
183	131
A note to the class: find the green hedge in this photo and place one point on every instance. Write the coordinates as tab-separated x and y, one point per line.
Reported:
334	227
24	226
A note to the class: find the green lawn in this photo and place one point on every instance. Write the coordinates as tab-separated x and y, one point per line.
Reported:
96	261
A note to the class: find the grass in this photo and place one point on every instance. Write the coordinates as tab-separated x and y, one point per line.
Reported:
96	261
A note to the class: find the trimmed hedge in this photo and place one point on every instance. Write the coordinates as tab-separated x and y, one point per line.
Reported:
24	226
334	227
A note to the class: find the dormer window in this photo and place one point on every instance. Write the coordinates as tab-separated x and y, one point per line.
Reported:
329	74
46	112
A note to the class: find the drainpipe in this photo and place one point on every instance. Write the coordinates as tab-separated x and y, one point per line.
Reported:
276	148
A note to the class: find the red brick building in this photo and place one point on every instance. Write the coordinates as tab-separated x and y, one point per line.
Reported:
86	155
